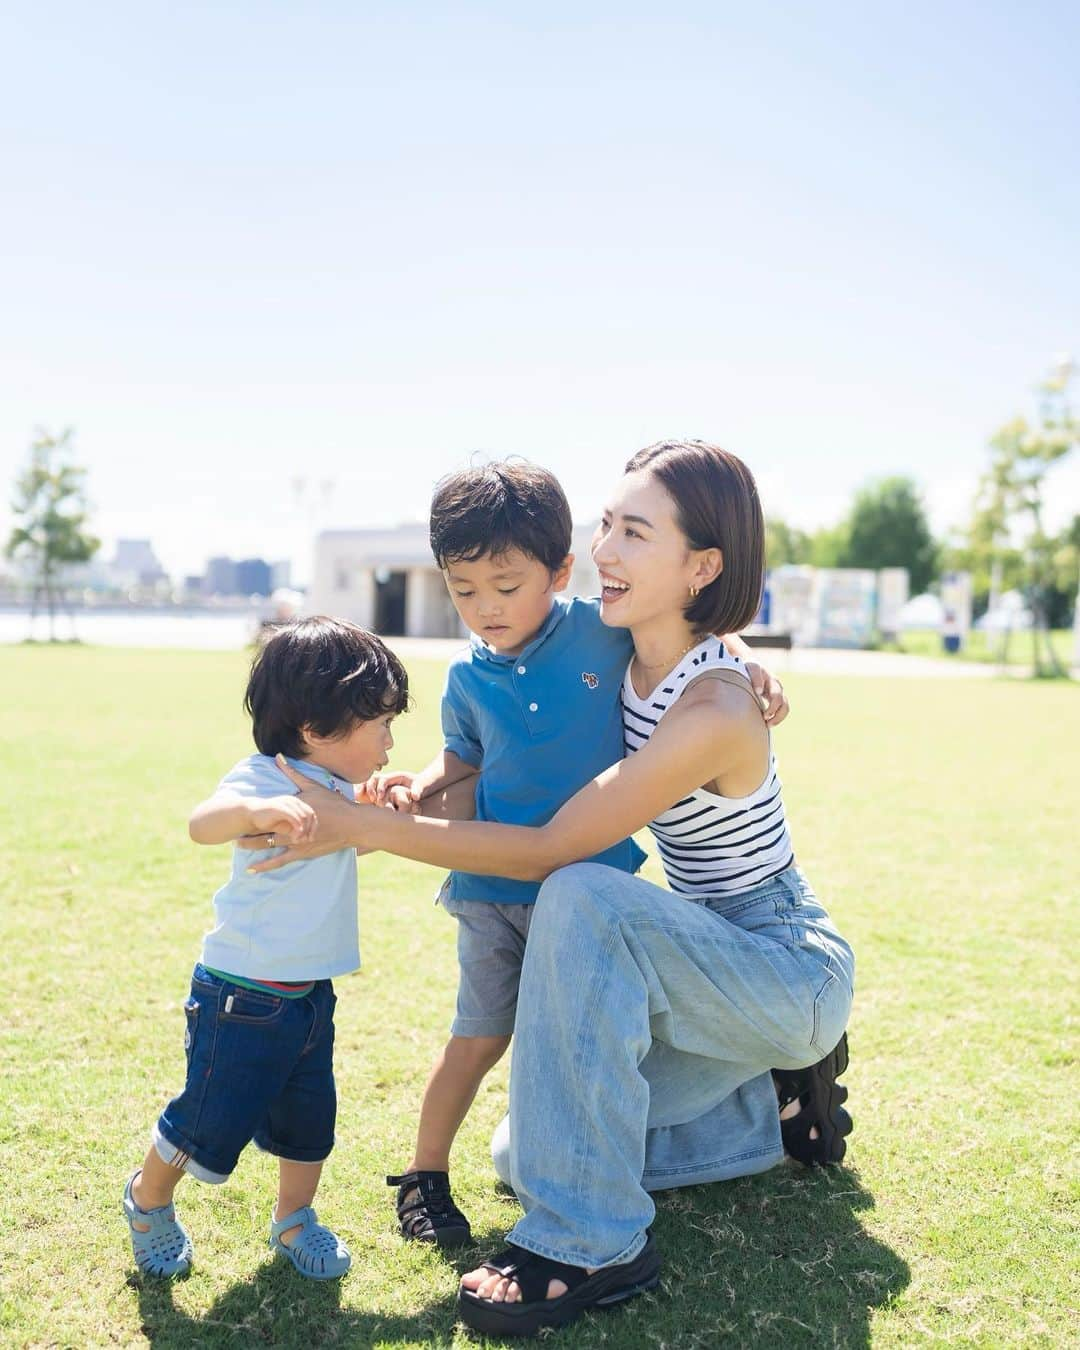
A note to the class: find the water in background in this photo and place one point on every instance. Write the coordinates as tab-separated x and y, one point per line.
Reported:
200	629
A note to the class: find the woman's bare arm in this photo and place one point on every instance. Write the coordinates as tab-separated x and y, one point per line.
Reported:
711	730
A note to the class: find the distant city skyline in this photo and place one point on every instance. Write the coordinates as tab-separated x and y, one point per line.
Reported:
352	247
133	567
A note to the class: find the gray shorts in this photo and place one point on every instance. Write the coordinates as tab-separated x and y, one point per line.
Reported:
491	947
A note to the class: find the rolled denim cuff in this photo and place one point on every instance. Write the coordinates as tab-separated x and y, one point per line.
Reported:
175	1156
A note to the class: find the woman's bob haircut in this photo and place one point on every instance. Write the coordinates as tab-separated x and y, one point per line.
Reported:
716	506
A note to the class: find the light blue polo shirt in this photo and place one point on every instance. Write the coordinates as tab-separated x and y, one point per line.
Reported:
298	923
539	726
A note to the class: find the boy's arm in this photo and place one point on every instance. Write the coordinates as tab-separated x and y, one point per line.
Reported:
444	771
227	816
456	802
457	762
767	687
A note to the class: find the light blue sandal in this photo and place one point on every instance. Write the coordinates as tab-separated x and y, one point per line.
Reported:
314	1251
165	1248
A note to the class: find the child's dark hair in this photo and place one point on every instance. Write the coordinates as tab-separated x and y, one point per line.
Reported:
321	673
492	508
716	506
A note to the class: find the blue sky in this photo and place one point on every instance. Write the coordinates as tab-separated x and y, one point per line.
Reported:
245	244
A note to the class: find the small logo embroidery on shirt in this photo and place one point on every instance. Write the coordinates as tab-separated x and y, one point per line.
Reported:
588	678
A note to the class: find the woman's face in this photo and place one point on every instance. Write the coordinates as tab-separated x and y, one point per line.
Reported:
645	563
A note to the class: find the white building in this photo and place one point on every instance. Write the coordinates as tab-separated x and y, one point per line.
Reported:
387	580
135	564
280	574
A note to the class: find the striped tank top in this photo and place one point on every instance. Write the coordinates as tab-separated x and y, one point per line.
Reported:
710	845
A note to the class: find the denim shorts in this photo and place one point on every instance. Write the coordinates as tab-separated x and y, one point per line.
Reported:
490	947
259	1067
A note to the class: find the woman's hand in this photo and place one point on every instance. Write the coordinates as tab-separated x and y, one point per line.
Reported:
770	693
337	820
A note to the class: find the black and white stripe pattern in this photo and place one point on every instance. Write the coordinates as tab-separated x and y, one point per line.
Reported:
710	845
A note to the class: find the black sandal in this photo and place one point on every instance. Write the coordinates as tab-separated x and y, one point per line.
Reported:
821	1098
426	1210
604	1289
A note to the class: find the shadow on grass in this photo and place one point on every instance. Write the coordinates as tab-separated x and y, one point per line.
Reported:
778	1257
781	1257
278	1307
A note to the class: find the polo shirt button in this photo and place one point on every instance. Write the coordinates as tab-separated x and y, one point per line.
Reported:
534	707
521	670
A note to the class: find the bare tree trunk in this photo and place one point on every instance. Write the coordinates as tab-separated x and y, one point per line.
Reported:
1040	615
50	600
65	601
1056	668
1045	659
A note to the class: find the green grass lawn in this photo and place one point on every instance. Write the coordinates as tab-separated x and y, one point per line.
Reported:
936	819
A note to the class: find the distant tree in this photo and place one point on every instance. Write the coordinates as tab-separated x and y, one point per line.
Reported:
1067	574
784	543
50	506
1009	505
984	550
828	546
888	527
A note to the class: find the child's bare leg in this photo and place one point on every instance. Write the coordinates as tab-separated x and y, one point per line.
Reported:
297	1184
154	1185
454	1080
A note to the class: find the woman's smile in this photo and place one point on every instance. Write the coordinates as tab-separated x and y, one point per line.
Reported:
612	589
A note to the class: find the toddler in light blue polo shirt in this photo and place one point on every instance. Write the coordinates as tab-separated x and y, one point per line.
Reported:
260	1017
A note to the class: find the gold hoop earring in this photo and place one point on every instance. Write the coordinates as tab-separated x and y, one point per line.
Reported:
694	592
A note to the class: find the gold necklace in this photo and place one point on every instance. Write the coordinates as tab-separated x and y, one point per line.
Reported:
655	665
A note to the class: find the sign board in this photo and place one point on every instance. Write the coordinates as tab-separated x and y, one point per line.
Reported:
790	588
842	607
892	595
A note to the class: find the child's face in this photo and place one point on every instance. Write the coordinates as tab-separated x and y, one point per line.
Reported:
356	755
505	599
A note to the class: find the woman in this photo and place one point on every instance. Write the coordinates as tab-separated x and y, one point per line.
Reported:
648	1019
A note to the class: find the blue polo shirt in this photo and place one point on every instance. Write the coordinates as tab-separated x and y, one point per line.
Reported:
539	726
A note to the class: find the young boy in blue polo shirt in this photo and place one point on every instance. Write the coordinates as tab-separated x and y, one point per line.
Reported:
260	1017
533	705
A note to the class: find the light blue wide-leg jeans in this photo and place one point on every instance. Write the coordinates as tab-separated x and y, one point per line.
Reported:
646	1027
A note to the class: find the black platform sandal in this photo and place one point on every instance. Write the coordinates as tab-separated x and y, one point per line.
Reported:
821	1098
426	1209
604	1289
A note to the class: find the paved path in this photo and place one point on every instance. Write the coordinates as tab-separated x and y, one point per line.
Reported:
799	660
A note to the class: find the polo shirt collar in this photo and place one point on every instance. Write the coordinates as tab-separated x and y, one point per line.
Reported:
557	612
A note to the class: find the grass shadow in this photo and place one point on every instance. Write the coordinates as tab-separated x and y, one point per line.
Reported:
780	1256
278	1307
783	1257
